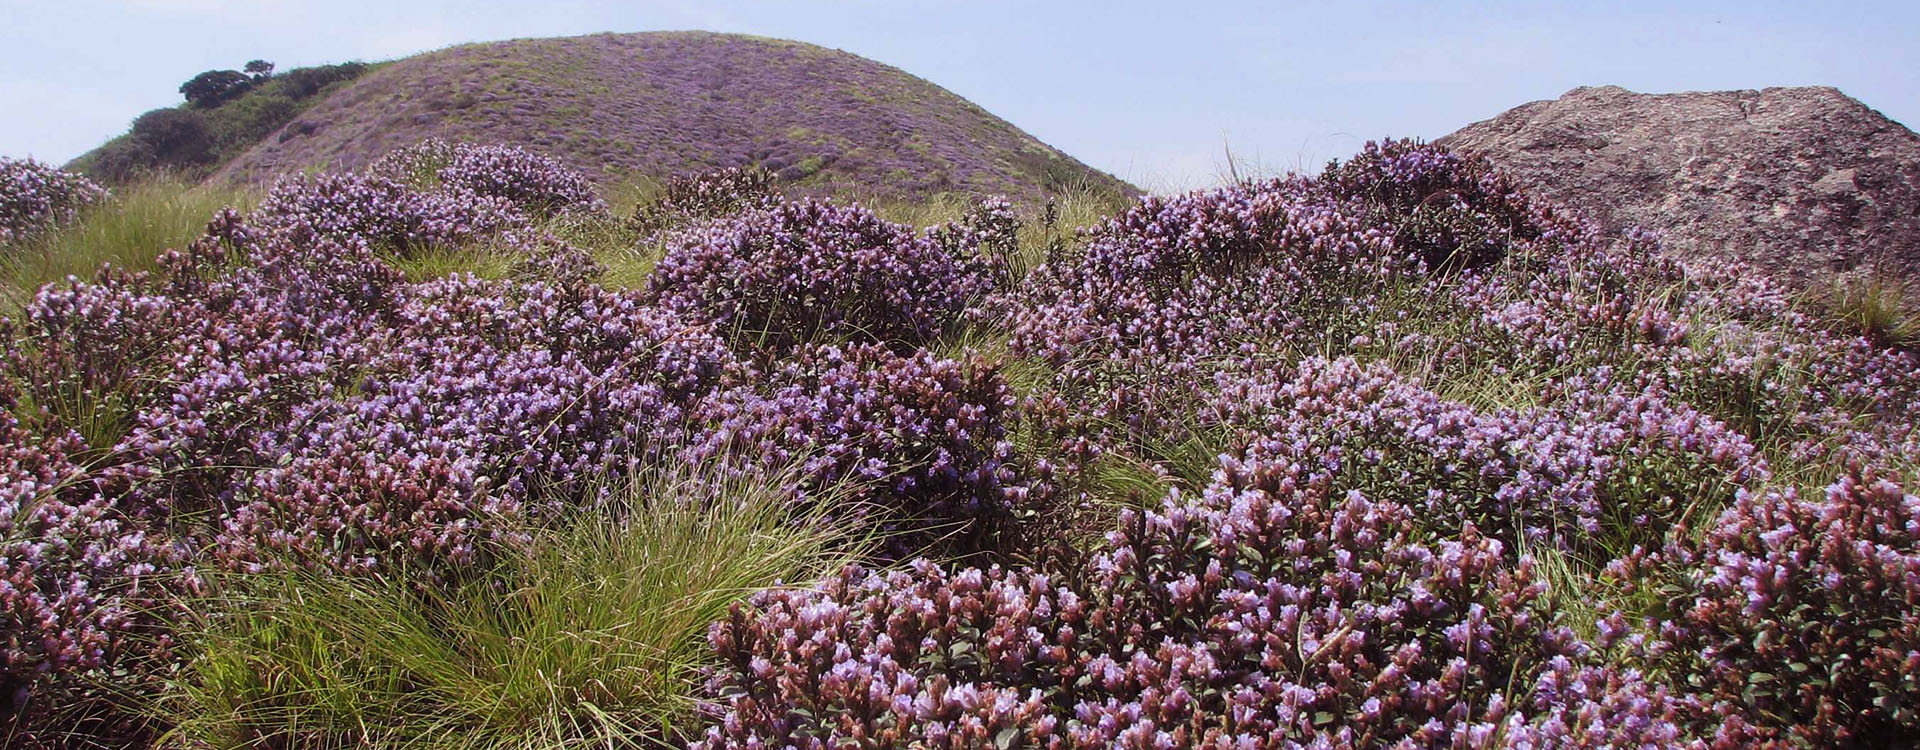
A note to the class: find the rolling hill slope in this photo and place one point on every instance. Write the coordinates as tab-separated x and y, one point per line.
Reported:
612	105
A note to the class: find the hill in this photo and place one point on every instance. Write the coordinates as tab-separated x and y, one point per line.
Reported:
613	105
1799	182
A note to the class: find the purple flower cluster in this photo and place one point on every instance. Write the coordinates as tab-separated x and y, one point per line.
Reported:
988	232
82	580
810	271
536	184
386	214
918	443
1808	609
35	197
488	398
470	198
1274	610
1597	468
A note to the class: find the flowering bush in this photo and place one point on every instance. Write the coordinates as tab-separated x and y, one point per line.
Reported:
1808	611
809	271
1597	469
536	184
85	587
277	389
922	440
35	197
1272	611
989	233
385	213
491	397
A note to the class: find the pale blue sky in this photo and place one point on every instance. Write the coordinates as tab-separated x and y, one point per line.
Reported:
1149	91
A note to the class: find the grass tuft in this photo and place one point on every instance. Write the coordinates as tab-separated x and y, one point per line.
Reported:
1872	306
591	635
429	263
130	231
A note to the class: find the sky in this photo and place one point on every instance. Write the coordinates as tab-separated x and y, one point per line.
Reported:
1157	93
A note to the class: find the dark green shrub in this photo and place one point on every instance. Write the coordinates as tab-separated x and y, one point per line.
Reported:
215	87
177	137
301	83
122	160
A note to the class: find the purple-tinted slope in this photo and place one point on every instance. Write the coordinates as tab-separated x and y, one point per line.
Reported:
616	104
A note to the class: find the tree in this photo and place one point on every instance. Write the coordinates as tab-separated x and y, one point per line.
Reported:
260	70
213	87
177	137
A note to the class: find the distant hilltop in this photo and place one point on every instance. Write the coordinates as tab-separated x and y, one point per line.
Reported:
615	105
1800	182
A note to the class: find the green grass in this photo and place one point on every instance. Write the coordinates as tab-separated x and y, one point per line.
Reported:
591	636
612	240
629	269
631	191
1873	306
429	263
1044	231
130	231
101	416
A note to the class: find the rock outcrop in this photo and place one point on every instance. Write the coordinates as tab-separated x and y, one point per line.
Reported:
1799	182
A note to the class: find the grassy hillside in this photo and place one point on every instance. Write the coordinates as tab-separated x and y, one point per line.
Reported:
190	142
619	105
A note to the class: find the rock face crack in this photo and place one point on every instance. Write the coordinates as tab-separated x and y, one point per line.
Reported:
1797	182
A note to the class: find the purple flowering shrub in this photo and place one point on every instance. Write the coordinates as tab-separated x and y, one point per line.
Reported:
1597	469
1807	611
88	354
1450	211
493	396
384	213
482	198
279	389
922	440
536	184
259	329
1274	610
808	271
85	586
35	197
989	232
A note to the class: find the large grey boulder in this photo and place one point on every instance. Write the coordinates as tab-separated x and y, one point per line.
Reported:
1799	182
